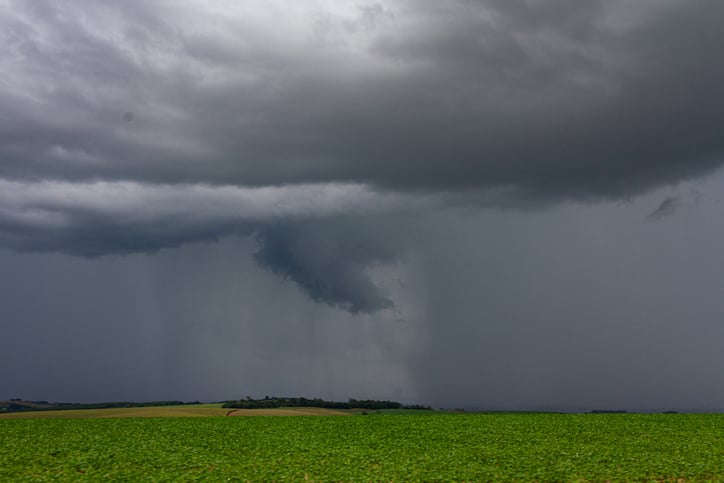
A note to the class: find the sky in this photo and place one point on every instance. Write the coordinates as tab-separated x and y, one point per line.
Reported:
480	204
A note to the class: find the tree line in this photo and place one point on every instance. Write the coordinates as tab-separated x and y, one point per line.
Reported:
291	402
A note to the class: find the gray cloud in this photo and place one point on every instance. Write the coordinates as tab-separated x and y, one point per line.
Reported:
504	103
668	207
369	154
557	99
102	218
580	307
300	229
329	261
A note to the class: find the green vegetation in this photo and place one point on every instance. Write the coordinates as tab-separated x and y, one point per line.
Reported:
408	410
449	447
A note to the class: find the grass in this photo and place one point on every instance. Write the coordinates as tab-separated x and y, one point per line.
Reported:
444	447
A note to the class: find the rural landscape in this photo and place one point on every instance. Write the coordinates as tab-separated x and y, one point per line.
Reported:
362	241
379	441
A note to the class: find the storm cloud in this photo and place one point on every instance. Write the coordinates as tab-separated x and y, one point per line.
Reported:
103	218
329	261
336	139
556	99
502	101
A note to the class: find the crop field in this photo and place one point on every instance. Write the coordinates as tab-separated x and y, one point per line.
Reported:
376	447
149	412
170	412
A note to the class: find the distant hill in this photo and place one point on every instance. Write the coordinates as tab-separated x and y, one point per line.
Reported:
15	405
18	405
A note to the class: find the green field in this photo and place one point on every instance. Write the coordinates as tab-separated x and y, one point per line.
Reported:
441	447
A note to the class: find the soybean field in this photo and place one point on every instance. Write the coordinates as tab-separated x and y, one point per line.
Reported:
375	447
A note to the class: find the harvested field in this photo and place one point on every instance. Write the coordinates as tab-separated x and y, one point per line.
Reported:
287	412
170	412
147	412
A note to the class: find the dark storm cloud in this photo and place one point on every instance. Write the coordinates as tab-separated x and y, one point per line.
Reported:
668	207
348	146
328	262
494	102
304	232
102	218
557	99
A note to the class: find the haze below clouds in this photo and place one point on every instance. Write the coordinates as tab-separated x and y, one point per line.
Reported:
483	204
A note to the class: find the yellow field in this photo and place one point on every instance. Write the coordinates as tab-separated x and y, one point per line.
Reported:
171	412
288	412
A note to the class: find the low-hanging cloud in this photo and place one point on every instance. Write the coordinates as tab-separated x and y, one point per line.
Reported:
105	218
667	207
291	224
330	267
143	125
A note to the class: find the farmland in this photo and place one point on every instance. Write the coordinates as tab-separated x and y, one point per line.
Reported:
185	411
463	447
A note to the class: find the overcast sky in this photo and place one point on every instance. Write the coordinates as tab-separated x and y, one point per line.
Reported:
499	203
